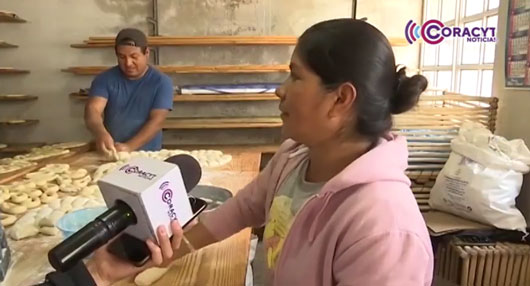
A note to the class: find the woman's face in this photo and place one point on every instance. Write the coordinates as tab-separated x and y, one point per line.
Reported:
306	106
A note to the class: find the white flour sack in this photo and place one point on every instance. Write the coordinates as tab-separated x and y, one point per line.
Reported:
482	178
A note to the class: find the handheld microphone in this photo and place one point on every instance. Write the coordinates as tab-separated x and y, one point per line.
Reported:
144	194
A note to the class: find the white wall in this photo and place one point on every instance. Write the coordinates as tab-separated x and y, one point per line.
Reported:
391	17
514	105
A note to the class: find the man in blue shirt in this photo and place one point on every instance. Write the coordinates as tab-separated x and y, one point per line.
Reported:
129	102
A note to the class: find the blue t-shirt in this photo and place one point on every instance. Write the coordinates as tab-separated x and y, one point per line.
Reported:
129	102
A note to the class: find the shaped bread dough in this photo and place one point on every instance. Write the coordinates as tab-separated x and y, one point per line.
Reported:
19	232
11	208
56	168
89	191
31	203
50	231
83	182
48	197
52	219
94	203
69	189
150	276
7	220
35	193
25	227
79	203
78	174
55	204
123	156
64	180
50	188
5	194
19	198
41	214
66	204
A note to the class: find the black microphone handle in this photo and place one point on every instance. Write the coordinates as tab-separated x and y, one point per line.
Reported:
91	237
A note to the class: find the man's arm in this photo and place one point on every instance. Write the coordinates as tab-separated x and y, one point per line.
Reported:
94	122
148	131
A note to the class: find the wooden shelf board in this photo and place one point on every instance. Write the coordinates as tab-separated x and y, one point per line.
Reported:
12	71
10	17
6	45
23	97
228	69
209	97
15	122
108	42
222	123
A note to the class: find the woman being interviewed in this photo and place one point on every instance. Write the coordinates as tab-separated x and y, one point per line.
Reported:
335	201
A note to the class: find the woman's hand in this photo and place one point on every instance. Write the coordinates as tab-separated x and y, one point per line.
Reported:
107	269
162	255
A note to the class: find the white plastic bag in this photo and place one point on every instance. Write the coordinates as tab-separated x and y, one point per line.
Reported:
482	178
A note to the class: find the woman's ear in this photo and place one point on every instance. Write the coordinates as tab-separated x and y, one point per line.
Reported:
345	96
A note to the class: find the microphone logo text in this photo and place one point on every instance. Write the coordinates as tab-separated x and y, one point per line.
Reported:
167	198
128	169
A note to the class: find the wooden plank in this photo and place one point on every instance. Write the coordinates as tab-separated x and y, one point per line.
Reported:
228	69
108	42
7	45
9	70
10	17
209	97
18	122
222	123
17	97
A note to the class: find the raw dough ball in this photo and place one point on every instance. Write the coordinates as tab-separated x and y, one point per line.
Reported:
48	197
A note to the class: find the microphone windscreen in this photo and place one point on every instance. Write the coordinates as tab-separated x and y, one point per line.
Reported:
190	169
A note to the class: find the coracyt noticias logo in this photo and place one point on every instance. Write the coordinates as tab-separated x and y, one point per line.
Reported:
434	32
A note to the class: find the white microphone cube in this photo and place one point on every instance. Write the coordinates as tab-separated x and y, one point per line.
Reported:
153	189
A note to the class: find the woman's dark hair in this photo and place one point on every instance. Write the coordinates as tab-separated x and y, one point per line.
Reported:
347	50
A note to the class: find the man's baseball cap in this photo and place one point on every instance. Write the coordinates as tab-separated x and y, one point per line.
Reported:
131	37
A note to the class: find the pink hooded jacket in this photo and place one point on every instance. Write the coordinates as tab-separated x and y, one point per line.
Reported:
363	228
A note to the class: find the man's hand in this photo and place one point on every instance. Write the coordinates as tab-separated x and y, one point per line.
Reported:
104	143
123	147
107	269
